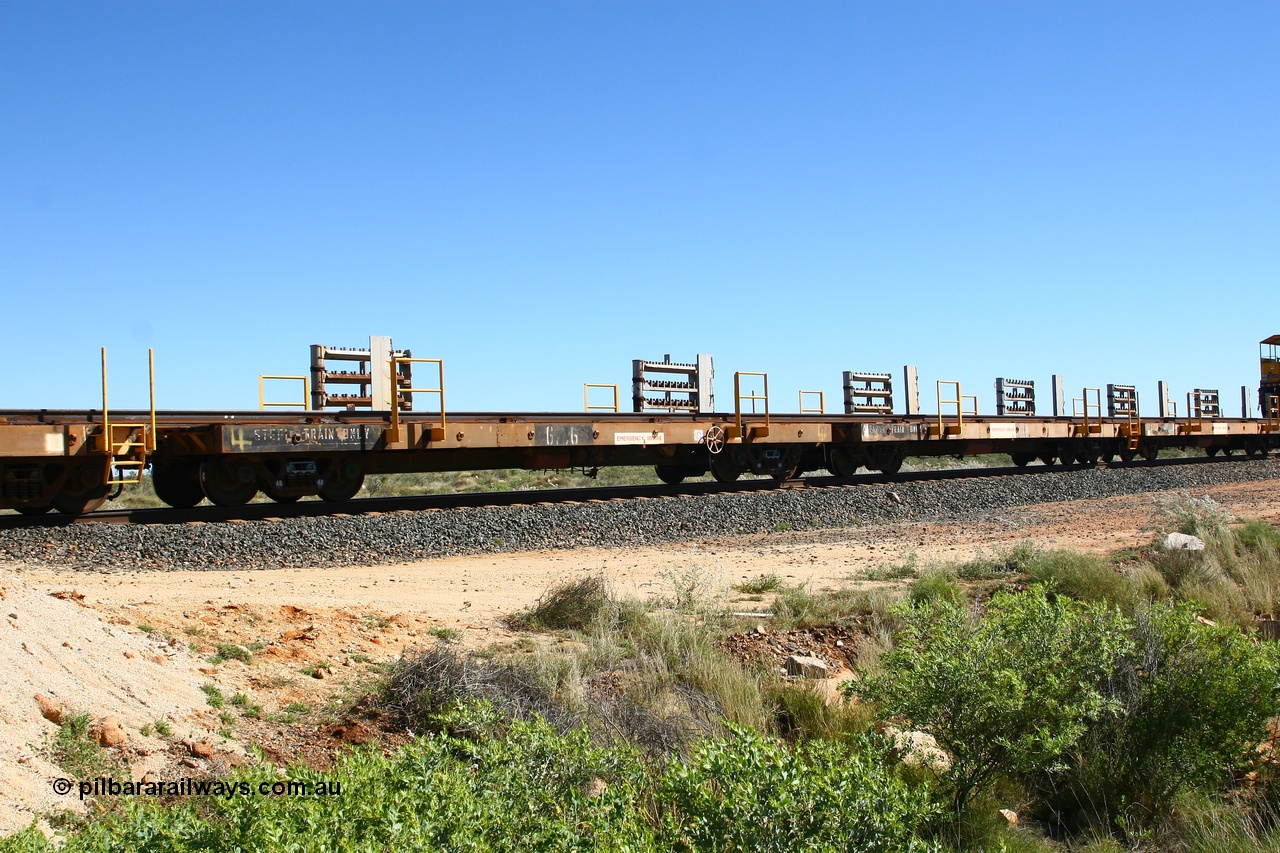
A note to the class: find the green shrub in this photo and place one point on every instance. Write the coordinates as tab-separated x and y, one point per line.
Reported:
73	749
1003	563
532	789
525	786
1083	577
232	651
805	712
745	793
1192	702
935	586
214	695
1010	692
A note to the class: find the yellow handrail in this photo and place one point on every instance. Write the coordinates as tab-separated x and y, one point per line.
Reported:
958	402
151	383
435	433
264	403
1080	407
586	400
822	403
107	443
738	397
1273	413
1196	409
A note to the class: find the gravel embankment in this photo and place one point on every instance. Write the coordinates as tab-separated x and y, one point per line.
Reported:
404	537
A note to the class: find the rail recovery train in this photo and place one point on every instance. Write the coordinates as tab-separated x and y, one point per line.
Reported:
326	443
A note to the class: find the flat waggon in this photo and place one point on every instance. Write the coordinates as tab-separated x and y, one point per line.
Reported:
74	460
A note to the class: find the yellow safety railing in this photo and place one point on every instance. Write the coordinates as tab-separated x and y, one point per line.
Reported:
1195	415
129	451
822	403
736	431
1133	429
1273	413
1090	411
435	433
958	401
264	403
588	406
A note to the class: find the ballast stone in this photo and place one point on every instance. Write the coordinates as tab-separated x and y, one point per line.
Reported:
413	536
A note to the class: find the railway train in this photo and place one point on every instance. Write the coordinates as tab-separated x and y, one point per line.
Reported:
73	461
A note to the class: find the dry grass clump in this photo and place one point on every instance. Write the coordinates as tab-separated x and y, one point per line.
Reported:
570	606
655	679
428	683
1236	576
797	606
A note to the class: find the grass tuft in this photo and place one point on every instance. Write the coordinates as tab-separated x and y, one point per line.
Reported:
573	605
761	584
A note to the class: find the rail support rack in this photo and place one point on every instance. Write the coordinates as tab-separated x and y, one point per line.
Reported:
1015	397
374	376
690	392
1122	402
868	393
1201	403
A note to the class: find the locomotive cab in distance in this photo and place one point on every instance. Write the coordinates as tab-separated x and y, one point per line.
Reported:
1269	384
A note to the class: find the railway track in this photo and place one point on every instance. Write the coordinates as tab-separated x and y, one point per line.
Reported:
209	514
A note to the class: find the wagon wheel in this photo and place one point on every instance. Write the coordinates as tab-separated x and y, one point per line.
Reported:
177	483
228	485
672	475
344	481
842	461
724	468
889	460
714	439
85	490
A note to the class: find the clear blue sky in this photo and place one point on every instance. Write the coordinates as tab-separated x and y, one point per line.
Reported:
540	192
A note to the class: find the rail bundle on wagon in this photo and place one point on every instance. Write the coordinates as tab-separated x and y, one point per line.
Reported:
396	420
